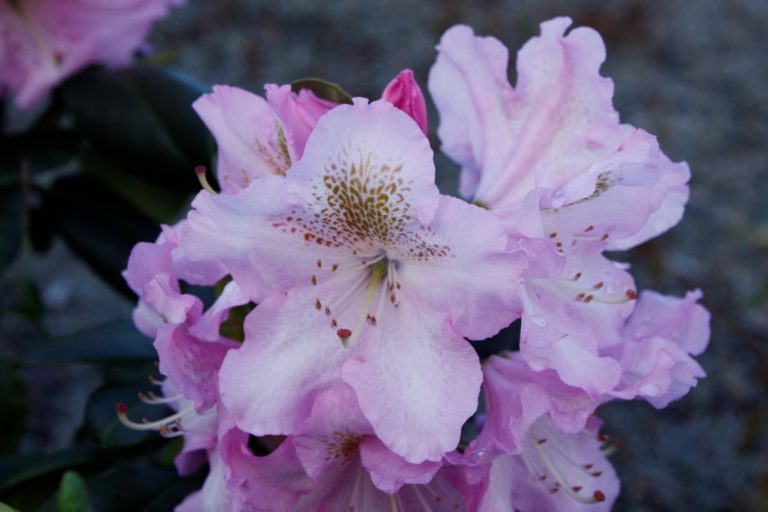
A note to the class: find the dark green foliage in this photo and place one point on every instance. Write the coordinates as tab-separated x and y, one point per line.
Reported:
116	342
13	406
323	89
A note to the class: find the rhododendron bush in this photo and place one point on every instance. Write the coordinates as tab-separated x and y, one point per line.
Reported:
331	332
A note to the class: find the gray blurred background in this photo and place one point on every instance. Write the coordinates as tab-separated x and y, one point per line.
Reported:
695	73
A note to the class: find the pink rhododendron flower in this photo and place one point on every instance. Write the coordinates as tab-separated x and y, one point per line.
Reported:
659	339
42	42
258	137
154	272
554	472
516	397
239	480
404	93
551	159
654	360
252	140
189	346
363	272
298	111
353	470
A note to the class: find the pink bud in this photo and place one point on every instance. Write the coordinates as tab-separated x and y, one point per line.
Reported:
404	93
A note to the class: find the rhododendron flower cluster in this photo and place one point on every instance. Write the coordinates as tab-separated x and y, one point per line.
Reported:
43	42
349	382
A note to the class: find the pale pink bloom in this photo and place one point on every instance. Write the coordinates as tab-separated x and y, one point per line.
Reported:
42	42
298	111
272	482
258	137
549	131
647	358
541	439
653	357
551	159
659	339
353	470
240	481
154	272
190	348
214	495
362	271
516	397
404	93
252	141
571	315
554	472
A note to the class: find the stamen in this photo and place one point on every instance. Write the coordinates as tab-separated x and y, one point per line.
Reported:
121	409
421	499
353	498
341	303
155	381
152	398
569	489
200	170
357	265
588	294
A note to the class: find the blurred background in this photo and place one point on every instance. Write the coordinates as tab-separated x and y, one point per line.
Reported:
693	73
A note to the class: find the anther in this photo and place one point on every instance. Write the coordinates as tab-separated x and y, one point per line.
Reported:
201	170
631	294
599	496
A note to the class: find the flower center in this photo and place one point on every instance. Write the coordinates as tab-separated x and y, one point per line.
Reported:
363	295
341	445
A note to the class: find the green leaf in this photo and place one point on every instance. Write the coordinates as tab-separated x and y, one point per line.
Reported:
23	298
72	495
97	225
160	202
130	487
115	342
323	89
37	151
232	327
142	119
16	469
13	406
6	508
